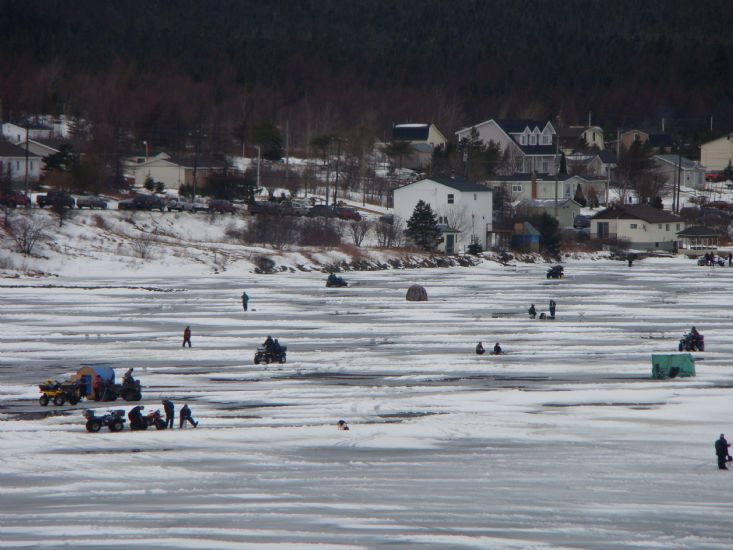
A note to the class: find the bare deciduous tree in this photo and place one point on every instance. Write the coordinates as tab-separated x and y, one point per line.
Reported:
359	230
143	243
390	235
27	230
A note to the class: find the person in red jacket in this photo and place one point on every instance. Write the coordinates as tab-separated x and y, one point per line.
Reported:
186	337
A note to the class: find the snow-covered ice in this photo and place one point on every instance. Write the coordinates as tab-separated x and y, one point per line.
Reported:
565	442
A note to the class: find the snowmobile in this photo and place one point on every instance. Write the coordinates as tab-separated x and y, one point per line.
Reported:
59	392
692	342
114	420
555	272
271	355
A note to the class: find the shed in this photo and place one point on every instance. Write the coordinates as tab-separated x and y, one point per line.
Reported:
417	293
526	238
86	376
673	365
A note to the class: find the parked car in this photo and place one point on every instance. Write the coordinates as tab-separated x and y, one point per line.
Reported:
13	200
387	218
581	222
181	205
56	197
348	214
300	206
89	201
221	206
720	205
142	202
321	211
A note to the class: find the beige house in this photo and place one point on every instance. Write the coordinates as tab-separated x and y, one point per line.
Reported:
567	209
424	138
658	141
718	153
574	137
172	172
644	226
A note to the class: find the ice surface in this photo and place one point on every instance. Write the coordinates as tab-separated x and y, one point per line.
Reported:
564	442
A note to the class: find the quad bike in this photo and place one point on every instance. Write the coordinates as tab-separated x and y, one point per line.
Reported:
59	393
555	272
692	342
114	420
268	356
153	418
336	281
129	390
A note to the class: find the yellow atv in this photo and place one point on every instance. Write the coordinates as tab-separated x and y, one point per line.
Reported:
59	392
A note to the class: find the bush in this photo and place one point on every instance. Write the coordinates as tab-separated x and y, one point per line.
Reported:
314	232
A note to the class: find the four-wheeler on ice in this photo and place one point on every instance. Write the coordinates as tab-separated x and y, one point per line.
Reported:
271	355
555	272
692	341
96	383
336	281
60	392
114	420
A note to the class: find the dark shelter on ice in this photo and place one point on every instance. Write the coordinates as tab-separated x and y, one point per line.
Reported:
417	293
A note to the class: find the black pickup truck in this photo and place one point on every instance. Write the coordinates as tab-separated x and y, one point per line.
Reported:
55	197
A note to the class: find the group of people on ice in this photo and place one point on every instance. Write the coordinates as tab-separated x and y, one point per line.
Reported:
480	350
135	416
710	259
533	311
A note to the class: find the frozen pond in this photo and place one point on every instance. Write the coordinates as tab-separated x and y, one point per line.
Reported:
564	442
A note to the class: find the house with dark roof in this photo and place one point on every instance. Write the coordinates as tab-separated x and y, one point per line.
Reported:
717	154
461	206
659	141
527	145
573	138
690	172
13	161
567	209
591	163
645	227
698	240
424	138
542	186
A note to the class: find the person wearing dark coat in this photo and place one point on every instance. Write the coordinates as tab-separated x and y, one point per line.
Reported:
97	387
480	349
497	349
127	379
245	300
186	417
136	417
532	312
721	450
170	412
553	305
186	337
269	343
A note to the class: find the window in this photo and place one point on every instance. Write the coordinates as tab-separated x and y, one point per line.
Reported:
678	227
475	197
17	165
533	140
545	140
667	229
659	226
517	188
450	198
545	167
523	139
633	226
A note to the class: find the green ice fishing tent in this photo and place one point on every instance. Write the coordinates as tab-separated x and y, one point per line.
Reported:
673	365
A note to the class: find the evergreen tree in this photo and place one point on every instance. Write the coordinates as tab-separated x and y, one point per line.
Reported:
422	227
579	196
268	137
657	203
550	235
149	183
563	165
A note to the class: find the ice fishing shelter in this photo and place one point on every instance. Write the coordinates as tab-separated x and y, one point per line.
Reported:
417	293
673	365
86	376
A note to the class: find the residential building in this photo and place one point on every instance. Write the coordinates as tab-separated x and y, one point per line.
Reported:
645	227
659	141
690	172
697	240
598	164
16	133
525	238
717	154
574	138
459	205
424	138
172	172
567	209
13	159
527	145
542	186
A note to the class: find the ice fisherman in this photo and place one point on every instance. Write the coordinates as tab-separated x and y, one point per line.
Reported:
532	312
553	306
721	450
186	337
342	425
497	349
269	343
245	300
170	412
480	349
186	417
127	378
136	417
97	387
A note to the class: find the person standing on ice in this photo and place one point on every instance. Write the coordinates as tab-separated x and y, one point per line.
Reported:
186	337
245	300
721	450
186	417
532	312
553	305
170	412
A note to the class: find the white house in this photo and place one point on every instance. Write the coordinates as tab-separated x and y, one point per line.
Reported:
644	226
542	186
13	159
170	171
15	133
528	145
717	154
459	205
691	173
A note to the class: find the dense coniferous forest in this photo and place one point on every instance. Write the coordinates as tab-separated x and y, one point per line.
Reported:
161	68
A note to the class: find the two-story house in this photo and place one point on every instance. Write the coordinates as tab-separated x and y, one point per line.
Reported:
542	186
423	138
463	209
645	227
528	145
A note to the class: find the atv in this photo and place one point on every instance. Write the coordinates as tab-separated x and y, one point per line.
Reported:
692	342
336	281
268	356
154	418
128	390
114	420
555	272
59	392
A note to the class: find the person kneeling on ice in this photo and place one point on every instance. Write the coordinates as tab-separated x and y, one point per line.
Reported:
480	349
186	417
497	349
136	417
341	424
532	311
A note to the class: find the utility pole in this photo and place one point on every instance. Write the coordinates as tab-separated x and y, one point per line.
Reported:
196	163
259	157
287	153
679	176
338	159
26	161
557	170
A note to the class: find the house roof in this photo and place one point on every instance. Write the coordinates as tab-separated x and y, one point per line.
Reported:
660	139
607	157
686	163
642	212
571	131
410	132
200	162
543	177
51	143
517	125
546	203
7	149
459	184
698	231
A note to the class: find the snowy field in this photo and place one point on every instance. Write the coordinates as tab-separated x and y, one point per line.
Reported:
564	442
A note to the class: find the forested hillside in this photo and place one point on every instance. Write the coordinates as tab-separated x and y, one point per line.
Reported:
327	65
